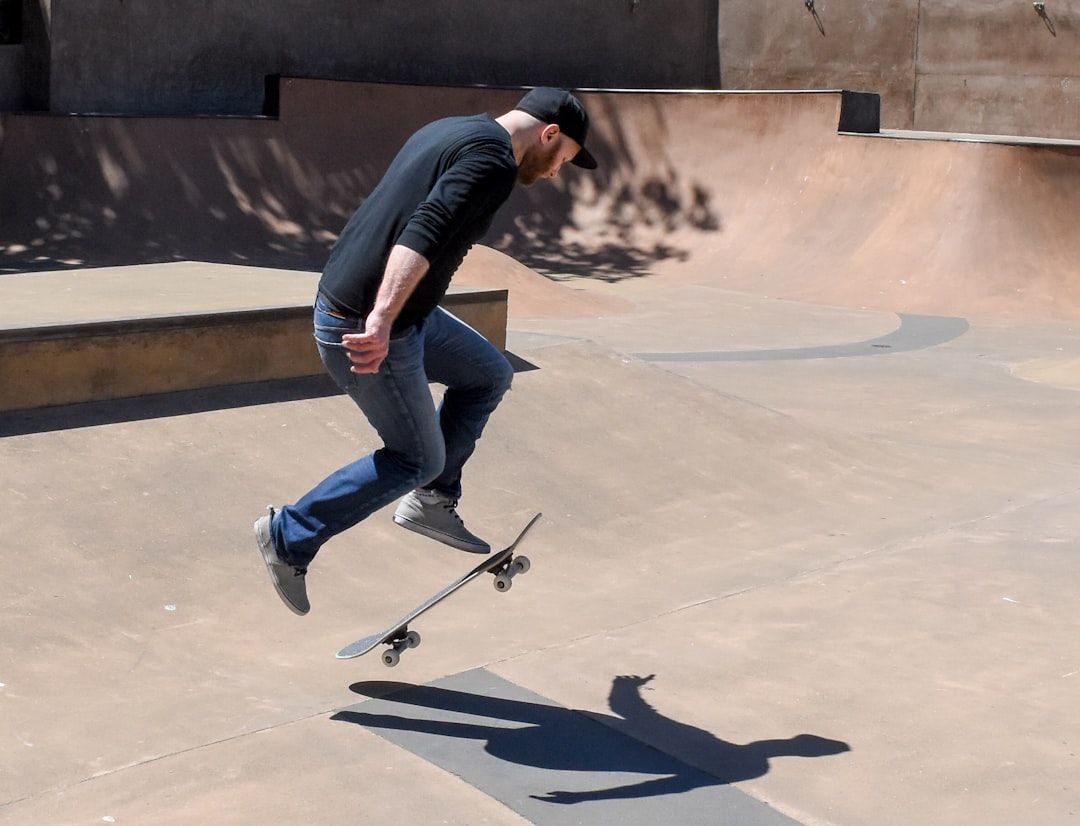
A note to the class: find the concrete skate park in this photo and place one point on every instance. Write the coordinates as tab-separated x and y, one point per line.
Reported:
796	396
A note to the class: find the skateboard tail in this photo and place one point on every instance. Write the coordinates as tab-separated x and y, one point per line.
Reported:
524	531
360	647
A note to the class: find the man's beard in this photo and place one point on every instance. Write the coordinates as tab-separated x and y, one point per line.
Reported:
536	165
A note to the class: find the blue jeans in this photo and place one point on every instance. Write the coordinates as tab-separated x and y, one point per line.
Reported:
422	446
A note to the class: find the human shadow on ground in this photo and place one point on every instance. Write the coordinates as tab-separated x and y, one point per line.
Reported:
636	739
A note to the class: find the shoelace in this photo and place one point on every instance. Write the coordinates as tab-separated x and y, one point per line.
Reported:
451	508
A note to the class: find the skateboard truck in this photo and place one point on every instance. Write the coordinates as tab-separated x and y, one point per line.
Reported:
392	655
504	577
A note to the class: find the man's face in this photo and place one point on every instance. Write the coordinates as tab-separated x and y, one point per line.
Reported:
545	158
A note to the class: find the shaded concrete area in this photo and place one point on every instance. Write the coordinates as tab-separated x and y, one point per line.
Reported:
559	756
875	552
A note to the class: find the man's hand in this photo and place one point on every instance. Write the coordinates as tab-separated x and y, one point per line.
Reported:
366	350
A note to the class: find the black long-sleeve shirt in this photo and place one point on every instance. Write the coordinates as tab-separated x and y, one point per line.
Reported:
437	198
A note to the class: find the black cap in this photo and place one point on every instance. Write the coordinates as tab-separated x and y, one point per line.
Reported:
560	107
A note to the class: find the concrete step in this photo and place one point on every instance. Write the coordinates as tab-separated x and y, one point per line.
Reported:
119	332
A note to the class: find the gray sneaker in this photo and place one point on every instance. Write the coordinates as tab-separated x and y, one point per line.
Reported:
288	579
433	514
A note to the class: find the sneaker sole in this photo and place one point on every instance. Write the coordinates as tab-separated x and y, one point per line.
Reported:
439	536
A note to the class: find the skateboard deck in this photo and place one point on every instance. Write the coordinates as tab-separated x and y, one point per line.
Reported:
503	565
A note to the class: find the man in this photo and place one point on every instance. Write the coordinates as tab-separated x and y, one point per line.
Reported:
383	337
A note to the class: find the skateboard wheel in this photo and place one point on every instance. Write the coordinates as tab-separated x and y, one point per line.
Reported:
521	564
503	582
412	639
391	657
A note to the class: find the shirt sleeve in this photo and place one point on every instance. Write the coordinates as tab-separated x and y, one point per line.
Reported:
468	193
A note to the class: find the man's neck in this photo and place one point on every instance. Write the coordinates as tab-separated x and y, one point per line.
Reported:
520	126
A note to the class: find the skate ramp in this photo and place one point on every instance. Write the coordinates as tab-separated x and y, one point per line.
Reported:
831	540
760	192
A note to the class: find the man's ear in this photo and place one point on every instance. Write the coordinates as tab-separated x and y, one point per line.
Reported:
549	133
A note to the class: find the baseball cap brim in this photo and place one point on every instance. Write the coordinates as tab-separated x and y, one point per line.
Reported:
584	159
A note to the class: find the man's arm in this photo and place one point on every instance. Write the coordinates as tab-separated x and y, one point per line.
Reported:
404	269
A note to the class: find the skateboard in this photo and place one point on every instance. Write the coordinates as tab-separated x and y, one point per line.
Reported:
504	566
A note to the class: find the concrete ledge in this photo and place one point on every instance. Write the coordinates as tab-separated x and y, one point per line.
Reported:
55	360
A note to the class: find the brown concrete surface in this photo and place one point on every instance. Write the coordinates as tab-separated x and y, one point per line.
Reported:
878	549
122	332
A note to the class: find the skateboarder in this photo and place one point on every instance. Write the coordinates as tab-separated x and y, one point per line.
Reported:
383	337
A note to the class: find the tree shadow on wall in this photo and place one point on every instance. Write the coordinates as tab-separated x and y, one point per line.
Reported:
101	191
609	224
98	191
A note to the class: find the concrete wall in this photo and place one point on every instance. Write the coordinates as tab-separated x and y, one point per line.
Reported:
841	44
111	56
996	66
999	66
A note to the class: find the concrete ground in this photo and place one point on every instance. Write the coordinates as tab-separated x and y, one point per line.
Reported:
808	588
810	481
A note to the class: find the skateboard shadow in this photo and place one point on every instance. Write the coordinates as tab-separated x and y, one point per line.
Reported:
634	739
